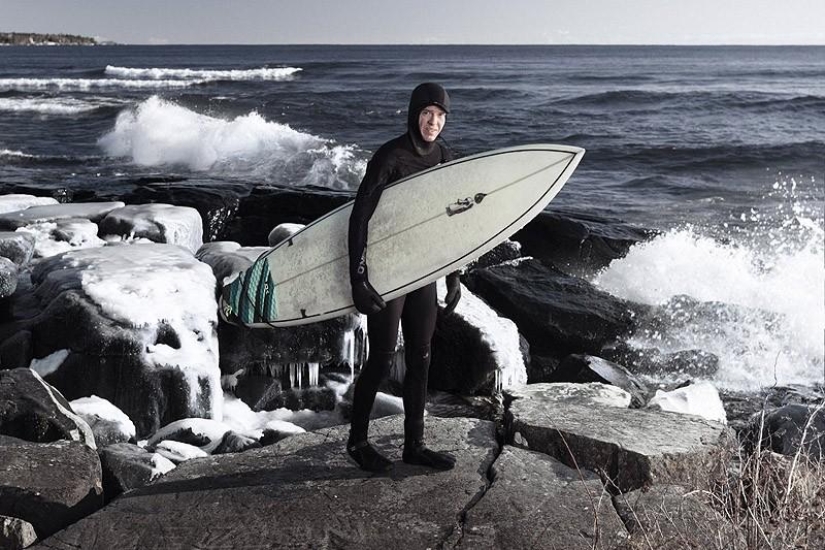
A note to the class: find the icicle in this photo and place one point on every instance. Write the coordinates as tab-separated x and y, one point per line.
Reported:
291	375
314	369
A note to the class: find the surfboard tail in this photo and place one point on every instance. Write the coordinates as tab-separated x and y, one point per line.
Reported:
250	298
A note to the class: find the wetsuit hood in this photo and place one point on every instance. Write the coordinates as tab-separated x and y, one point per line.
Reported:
423	96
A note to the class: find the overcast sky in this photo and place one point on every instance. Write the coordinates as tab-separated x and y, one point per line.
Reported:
424	21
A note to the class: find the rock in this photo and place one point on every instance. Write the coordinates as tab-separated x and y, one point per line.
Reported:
631	448
593	394
534	501
137	326
15	533
277	430
588	368
267	206
313	398
52	212
178	452
32	410
451	405
699	399
16	351
317	495
227	258
50	485
257	391
109	424
502	253
557	313
8	277
792	428
203	433
54	237
474	350
217	204
283	231
578	244
160	223
17	246
127	466
234	442
671	517
652	362
14	202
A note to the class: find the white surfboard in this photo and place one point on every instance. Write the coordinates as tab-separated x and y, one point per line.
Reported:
424	227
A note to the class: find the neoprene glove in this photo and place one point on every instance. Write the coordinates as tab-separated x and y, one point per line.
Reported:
453	292
364	296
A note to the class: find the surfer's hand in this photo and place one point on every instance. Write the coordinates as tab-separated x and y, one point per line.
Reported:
453	292
366	299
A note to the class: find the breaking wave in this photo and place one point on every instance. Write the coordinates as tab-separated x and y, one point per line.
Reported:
279	73
158	132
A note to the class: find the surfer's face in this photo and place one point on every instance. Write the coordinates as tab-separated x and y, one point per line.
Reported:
431	121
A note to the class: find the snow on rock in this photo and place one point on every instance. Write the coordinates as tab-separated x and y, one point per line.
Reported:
142	333
228	257
93	211
590	394
16	246
699	399
15	202
54	237
8	277
282	232
160	223
178	452
203	433
109	424
475	348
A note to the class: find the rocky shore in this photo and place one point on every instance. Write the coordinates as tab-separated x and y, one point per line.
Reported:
132	417
40	39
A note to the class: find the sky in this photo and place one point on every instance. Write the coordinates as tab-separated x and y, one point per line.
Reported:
781	22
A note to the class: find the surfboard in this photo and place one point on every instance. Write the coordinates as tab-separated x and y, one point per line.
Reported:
424	227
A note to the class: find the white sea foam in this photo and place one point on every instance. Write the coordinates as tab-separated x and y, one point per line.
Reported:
279	73
13	153
157	132
48	106
763	297
90	83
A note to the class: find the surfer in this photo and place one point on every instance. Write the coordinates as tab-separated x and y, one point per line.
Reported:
415	150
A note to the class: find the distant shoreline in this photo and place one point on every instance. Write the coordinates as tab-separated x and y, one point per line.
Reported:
40	39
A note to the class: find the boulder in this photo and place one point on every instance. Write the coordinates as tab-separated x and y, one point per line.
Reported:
52	212
693	363
14	202
32	410
15	533
160	223
17	246
227	258
588	368
670	517
699	399
582	394
316	495
126	466
283	231
8	277
474	350
557	313
50	485
576	243
795	427
135	325
267	206
61	235
109	424
535	501
631	448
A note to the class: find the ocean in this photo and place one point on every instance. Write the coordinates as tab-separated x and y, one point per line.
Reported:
719	149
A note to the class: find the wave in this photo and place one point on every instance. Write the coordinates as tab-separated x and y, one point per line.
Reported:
158	132
15	154
91	83
52	106
279	73
756	300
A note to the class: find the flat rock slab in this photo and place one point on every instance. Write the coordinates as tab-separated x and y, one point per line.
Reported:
631	447
302	492
535	501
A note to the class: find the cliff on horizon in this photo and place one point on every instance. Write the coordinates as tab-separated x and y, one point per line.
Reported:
38	39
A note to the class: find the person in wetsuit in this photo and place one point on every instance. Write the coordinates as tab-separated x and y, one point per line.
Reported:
409	153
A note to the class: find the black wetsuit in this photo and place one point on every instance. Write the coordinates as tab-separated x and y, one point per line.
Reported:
416	311
403	156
